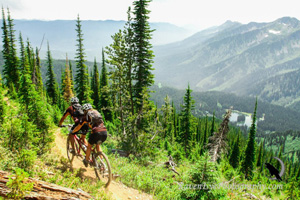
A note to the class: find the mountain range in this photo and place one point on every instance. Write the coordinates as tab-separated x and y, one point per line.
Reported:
61	35
255	59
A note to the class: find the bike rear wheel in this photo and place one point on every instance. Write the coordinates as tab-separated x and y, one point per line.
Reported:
102	168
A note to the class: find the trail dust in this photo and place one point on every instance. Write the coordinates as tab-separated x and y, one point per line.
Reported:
117	190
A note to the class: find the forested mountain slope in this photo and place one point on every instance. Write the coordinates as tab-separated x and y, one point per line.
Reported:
238	59
276	118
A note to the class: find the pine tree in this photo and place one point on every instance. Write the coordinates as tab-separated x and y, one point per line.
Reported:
167	118
297	175
117	60
143	54
23	53
39	81
130	60
96	86
105	100
205	136
248	161
212	129
13	59
82	88
2	105
51	83
67	85
10	68
34	76
30	55
260	154
175	116
5	51
235	155
279	156
72	77
186	113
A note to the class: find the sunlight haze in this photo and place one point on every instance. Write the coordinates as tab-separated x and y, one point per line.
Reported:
189	13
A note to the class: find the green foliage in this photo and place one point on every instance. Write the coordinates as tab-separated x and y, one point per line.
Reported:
19	185
66	86
11	68
26	159
51	83
186	134
235	154
2	106
143	54
207	102
82	87
204	172
248	161
292	187
95	86
105	98
7	158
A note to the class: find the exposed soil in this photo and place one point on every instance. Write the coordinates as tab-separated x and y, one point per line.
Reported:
116	190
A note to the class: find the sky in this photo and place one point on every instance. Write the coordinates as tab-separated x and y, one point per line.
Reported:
197	14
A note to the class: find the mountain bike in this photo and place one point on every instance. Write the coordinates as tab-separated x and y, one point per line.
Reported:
98	160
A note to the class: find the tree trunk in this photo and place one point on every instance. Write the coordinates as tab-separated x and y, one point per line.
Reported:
43	190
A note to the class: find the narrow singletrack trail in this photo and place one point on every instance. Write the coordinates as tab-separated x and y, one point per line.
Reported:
116	190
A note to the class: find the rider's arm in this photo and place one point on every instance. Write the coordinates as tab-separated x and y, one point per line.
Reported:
78	127
66	114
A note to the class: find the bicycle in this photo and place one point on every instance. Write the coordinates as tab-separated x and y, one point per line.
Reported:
98	160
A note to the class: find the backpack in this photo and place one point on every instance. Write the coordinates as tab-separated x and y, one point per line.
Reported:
78	110
95	117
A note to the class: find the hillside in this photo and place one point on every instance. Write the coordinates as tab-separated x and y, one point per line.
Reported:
236	58
276	118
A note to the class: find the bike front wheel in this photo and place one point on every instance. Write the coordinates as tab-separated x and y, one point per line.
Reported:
102	168
69	147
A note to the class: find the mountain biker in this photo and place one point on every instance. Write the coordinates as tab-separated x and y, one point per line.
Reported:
76	112
99	133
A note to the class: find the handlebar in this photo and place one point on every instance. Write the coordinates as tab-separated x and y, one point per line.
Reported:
68	125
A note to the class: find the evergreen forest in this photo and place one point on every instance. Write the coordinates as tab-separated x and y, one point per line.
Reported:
227	161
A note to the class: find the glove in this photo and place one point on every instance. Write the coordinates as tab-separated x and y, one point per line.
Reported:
71	131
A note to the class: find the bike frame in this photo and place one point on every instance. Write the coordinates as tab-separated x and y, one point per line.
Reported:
80	142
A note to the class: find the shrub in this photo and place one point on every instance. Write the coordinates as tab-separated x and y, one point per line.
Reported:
19	185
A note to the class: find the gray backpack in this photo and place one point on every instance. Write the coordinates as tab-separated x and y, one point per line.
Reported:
95	117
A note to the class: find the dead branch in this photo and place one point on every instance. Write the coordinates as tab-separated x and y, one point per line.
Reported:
171	165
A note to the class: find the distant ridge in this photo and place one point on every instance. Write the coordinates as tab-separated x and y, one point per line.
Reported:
97	34
236	58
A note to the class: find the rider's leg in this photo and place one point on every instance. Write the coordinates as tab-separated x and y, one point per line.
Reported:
71	137
88	152
83	139
98	148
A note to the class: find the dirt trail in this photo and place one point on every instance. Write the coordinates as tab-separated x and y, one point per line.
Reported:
117	190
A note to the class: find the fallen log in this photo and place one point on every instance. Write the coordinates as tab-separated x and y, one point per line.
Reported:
43	190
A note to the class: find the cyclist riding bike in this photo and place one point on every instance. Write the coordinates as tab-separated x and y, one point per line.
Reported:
99	133
76	112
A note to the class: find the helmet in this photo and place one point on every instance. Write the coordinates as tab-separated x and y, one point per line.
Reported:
74	100
86	106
